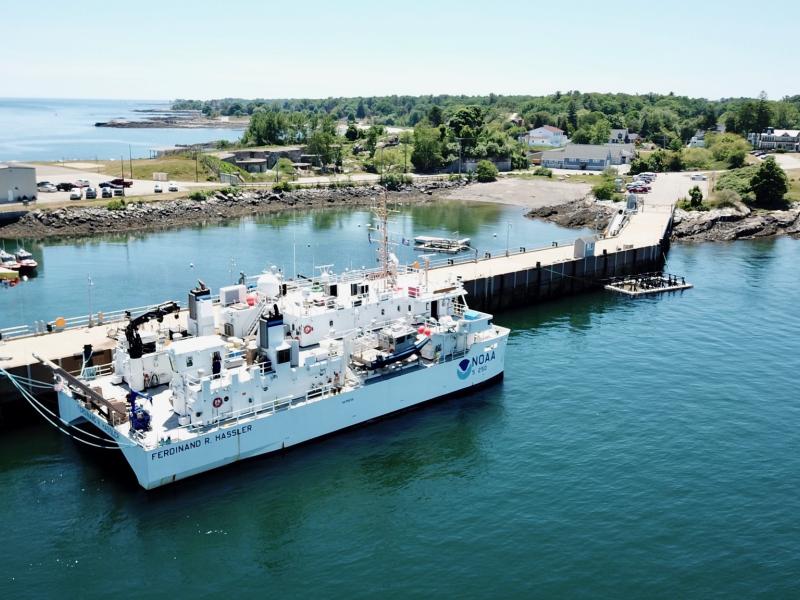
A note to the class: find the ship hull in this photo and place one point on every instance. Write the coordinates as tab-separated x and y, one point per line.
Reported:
266	433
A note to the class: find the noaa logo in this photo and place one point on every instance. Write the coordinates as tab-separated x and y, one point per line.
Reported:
465	365
464	368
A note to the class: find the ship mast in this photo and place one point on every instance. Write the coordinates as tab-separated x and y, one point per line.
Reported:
387	266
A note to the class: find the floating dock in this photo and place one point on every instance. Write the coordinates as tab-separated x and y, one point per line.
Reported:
649	283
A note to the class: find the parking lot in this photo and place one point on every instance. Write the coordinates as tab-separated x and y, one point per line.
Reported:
56	174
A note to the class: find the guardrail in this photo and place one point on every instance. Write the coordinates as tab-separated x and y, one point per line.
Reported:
41	327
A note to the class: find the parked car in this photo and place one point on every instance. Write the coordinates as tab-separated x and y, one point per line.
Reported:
106	193
699	177
65	187
157	189
173	187
46	187
119	191
82	183
122	182
640	189
43	183
75	195
91	193
109	184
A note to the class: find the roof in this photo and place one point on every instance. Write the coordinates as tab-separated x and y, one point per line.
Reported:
553	129
786	132
587	151
17	167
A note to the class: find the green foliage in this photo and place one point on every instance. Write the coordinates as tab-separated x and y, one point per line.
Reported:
658	162
769	184
285	167
726	199
352	132
737	180
728	147
542	172
697	158
116	204
654	116
427	153
199	195
395	181
695	197
282	186
604	189
485	171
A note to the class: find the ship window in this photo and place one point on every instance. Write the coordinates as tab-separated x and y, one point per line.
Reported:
283	356
226	398
189	361
409	308
330	323
383	312
398	308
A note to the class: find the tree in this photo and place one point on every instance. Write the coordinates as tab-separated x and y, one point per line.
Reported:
284	166
435	116
600	132
361	110
769	184
727	147
427	153
372	140
604	189
695	197
352	132
763	113
572	114
581	136
485	171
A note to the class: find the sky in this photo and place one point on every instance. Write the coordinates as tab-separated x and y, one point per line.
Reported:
241	48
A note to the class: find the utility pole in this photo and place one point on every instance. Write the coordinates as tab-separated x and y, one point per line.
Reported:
130	159
196	153
122	172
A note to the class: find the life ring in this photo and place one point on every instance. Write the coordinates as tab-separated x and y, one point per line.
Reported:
308	329
217	402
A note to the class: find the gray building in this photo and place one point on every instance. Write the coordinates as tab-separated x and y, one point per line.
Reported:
17	184
588	157
776	139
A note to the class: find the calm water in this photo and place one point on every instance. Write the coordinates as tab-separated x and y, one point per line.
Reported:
53	129
637	448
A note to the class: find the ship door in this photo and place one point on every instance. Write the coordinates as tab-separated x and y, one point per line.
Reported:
435	309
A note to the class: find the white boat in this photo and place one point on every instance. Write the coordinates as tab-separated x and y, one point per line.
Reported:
26	261
226	401
275	364
8	261
441	244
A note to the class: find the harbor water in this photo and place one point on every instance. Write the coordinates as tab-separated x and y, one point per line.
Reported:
637	447
36	129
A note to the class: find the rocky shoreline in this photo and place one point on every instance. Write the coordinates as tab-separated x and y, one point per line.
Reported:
717	225
81	221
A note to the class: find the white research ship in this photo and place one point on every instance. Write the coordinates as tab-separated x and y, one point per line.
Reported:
241	387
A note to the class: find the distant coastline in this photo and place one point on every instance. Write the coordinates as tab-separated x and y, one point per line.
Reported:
176	119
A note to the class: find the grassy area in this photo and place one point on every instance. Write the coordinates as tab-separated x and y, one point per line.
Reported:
793	194
177	168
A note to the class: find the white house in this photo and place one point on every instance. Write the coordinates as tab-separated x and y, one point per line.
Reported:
774	139
546	135
17	184
588	157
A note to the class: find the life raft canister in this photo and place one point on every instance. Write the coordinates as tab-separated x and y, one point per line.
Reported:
308	329
217	402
